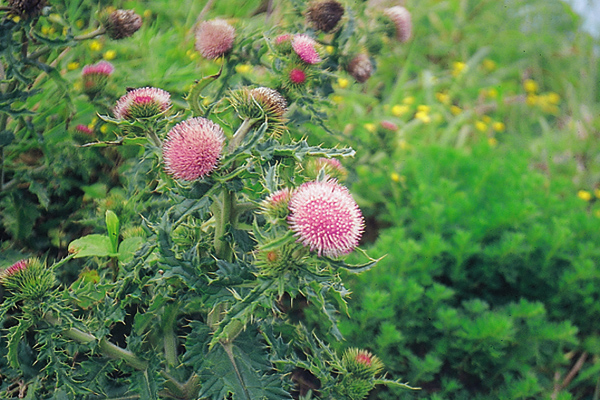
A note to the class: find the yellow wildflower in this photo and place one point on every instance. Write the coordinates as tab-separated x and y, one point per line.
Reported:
492	141
423	108
532	99
399	110
443	98
337	99
455	110
458	67
486	119
72	65
243	68
110	55
394	176
329	49
423	116
408	100
498	126
584	195
78	86
530	86
147	13
553	98
95	45
489	65
492	93
481	126
370	127
343	83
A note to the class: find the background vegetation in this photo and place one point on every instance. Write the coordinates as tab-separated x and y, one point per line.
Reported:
477	170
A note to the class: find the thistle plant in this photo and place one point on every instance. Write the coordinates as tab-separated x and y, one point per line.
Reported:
234	234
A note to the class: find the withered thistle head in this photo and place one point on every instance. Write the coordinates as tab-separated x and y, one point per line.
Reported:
360	67
325	15
121	24
261	103
27	8
402	20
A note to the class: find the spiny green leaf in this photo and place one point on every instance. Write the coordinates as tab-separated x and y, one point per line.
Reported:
14	336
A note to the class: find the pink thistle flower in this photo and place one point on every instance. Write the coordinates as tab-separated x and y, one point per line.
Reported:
304	46
389	125
95	77
297	76
14	269
83	129
193	148
214	38
142	103
326	218
402	20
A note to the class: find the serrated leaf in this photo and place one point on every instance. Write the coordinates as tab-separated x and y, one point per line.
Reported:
14	336
91	245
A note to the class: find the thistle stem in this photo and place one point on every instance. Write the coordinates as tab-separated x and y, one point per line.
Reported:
240	134
169	336
222	219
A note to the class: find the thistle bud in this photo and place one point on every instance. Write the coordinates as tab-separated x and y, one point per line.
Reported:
361	363
121	24
261	103
306	48
214	38
360	67
27	8
95	77
402	20
276	205
142	103
324	15
28	279
330	166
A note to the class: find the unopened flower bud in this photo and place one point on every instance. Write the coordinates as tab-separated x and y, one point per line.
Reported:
142	103
276	205
325	15
28	279
402	20
95	77
121	24
27	8
330	166
361	363
360	67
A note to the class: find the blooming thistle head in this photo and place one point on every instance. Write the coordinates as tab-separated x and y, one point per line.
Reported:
324	15
95	77
28	279
325	218
388	125
214	38
27	8
306	48
361	363
402	20
332	167
142	103
193	148
261	103
121	24
360	67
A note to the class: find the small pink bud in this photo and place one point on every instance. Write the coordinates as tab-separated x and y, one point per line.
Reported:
389	125
95	77
297	76
84	130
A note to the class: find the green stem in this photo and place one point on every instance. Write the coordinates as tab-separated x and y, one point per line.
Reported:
222	219
98	32
169	336
107	348
240	134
